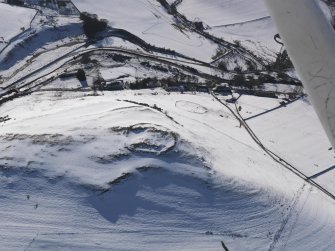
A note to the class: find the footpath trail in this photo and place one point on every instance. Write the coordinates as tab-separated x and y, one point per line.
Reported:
273	155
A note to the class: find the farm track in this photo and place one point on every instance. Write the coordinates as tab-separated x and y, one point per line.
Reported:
286	165
20	87
187	24
273	155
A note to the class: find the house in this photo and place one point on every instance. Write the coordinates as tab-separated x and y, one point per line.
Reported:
222	89
202	88
112	86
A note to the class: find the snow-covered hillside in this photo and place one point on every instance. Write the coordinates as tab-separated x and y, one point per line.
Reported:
218	13
150	22
15	20
159	179
177	127
154	25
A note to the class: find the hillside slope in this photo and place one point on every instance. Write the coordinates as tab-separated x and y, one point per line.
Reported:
17	21
132	173
180	126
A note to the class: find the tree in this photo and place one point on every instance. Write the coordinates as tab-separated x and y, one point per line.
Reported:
16	2
222	66
92	25
81	75
282	62
199	25
239	80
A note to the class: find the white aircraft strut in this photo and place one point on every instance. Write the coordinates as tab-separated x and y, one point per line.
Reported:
310	41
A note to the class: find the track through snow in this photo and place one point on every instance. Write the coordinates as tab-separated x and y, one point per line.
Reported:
287	218
112	177
83	169
273	155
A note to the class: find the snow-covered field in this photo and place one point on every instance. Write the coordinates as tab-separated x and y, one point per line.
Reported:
242	20
292	131
149	21
255	35
82	169
223	12
14	21
127	176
